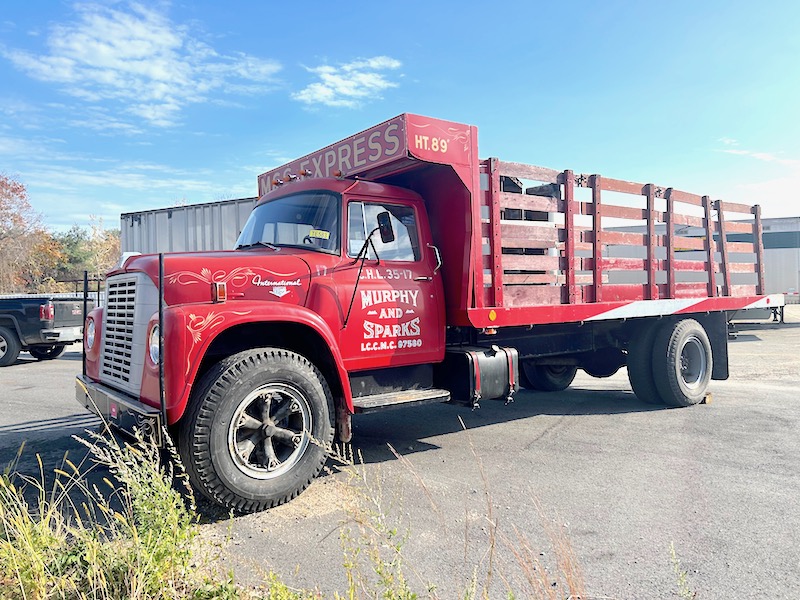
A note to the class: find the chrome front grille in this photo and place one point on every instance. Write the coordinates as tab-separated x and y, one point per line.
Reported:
118	339
132	301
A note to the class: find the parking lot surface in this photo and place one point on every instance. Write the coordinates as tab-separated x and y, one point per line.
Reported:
718	482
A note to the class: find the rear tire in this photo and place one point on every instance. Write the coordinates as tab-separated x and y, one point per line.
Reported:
547	378
47	352
9	347
640	364
256	432
682	362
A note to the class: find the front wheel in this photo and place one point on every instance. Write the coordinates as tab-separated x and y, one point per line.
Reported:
9	347
47	352
256	431
547	378
682	362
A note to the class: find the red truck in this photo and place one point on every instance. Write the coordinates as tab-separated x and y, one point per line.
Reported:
396	268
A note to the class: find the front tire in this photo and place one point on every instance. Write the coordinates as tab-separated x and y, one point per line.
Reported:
257	430
9	347
682	362
47	352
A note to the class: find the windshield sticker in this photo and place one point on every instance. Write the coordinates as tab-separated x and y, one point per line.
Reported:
320	234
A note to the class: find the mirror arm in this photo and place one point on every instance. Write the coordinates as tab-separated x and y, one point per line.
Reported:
361	256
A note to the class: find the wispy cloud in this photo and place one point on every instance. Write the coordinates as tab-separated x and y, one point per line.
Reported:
139	179
349	85
765	157
135	55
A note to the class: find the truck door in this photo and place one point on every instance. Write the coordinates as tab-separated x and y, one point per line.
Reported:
397	312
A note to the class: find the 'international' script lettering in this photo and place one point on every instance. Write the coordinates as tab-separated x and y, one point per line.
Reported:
257	281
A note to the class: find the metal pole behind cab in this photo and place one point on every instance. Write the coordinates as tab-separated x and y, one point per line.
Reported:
85	314
161	394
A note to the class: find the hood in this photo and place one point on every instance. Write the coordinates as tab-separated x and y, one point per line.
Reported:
189	277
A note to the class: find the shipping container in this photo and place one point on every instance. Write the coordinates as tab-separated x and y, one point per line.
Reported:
782	257
189	228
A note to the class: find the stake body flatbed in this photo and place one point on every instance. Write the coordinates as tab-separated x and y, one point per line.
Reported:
557	268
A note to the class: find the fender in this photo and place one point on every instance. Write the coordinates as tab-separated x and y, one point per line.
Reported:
15	324
189	331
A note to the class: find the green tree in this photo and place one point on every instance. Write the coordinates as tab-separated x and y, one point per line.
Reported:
75	253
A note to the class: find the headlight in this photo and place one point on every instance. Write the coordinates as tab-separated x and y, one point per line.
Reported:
154	344
90	331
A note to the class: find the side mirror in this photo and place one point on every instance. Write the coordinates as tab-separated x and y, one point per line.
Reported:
385	227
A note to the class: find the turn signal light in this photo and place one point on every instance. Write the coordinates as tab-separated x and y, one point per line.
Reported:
219	292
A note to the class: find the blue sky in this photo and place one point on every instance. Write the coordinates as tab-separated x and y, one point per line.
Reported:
110	107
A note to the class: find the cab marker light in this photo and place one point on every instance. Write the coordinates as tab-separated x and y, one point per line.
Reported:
219	292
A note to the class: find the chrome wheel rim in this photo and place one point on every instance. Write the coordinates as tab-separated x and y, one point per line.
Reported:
270	431
3	347
693	363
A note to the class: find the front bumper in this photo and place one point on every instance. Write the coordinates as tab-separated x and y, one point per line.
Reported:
119	410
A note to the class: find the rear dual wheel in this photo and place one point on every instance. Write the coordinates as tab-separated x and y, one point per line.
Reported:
671	364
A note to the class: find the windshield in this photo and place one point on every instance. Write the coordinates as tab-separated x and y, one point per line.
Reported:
306	220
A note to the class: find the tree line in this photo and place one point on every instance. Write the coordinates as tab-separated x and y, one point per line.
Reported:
34	259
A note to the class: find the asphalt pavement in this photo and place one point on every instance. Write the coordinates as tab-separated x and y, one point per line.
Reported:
625	481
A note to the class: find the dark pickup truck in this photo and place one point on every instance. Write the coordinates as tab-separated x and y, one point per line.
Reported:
42	325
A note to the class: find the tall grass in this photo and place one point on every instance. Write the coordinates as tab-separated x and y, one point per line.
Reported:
129	539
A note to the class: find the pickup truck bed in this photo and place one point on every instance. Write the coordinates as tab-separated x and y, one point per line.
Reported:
42	325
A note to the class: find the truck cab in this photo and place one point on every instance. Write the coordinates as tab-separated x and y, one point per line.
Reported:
383	300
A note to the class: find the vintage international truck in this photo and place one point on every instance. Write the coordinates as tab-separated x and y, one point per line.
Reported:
396	268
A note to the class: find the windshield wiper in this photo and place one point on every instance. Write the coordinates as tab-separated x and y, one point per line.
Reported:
258	243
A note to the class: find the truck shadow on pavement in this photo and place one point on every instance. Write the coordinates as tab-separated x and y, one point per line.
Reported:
405	430
373	433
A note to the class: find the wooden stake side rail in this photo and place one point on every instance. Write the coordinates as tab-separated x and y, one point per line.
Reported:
546	241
